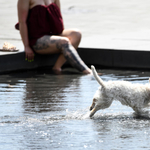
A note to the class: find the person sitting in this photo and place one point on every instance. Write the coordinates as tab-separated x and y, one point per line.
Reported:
42	31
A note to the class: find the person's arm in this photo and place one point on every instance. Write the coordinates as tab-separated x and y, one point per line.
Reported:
23	9
57	2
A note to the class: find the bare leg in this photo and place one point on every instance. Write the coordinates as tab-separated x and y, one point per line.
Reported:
59	63
74	37
57	44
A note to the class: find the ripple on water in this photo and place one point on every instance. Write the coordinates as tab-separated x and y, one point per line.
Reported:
40	111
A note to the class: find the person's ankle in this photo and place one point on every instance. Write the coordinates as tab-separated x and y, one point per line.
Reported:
89	71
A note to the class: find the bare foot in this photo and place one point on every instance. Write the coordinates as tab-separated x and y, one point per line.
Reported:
57	70
89	71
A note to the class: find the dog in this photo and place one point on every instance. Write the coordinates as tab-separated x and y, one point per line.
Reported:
136	96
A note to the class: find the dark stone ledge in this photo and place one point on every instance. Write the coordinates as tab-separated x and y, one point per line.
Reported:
106	58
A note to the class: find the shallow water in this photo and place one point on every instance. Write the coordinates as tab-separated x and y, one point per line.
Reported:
40	110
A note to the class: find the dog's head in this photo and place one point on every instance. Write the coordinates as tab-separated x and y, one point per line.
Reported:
100	101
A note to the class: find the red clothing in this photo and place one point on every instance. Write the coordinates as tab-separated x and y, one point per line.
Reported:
43	20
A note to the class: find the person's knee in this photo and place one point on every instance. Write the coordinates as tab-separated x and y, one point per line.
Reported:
64	40
63	43
77	33
75	37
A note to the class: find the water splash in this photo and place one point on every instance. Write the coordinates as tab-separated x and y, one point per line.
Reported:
84	114
142	115
80	114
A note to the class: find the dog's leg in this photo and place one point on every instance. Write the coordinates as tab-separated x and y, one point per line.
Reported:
93	104
137	110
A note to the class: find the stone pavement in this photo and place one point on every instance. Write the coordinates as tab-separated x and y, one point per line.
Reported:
115	33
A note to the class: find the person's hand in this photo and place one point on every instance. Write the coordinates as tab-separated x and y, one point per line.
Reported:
29	54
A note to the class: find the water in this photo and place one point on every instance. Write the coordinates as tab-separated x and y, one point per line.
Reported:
40	110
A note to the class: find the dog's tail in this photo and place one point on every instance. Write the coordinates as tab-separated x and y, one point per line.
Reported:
99	80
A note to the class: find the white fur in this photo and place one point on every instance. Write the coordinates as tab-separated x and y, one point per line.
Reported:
136	96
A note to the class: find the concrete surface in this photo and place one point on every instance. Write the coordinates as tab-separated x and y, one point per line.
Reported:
115	33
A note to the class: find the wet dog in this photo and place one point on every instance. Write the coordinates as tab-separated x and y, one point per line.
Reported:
136	96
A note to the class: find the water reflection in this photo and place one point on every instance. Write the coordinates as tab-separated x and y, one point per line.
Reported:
45	91
39	110
120	131
43	94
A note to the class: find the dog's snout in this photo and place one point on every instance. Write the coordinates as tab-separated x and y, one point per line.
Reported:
93	104
91	108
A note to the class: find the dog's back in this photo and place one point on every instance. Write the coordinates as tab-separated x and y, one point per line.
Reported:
137	96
